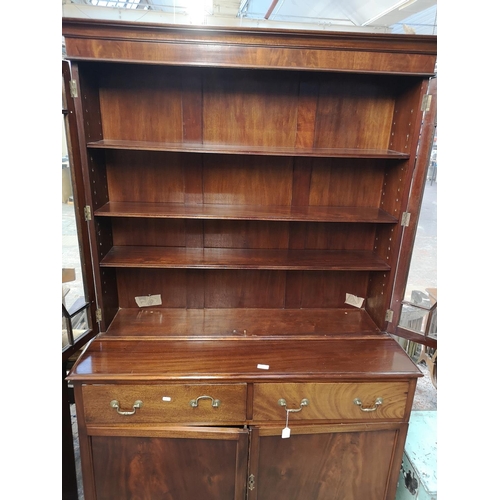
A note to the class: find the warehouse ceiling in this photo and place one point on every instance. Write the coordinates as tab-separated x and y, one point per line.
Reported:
387	16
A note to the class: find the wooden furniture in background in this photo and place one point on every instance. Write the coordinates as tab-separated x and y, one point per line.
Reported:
245	188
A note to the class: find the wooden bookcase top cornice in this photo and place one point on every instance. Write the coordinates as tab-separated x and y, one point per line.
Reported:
249	47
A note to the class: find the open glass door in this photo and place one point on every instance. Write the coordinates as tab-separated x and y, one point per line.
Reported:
414	301
79	323
78	297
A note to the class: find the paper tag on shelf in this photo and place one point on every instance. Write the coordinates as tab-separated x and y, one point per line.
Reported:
263	367
353	300
148	300
285	433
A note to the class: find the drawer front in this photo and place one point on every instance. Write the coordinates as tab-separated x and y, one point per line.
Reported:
186	403
330	401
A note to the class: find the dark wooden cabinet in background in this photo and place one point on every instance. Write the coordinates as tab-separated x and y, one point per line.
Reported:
246	195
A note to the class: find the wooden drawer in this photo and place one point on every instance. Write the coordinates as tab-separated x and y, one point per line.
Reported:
330	401
197	403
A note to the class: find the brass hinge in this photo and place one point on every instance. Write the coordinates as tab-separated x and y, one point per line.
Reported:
426	102
73	90
251	482
87	213
405	219
98	315
389	315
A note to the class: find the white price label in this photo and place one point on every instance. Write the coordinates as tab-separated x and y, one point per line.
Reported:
285	433
148	300
353	300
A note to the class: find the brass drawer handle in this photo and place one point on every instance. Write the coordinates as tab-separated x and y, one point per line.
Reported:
378	402
304	402
285	433
115	404
215	402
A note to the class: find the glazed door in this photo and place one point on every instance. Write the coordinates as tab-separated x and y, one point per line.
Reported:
177	464
346	462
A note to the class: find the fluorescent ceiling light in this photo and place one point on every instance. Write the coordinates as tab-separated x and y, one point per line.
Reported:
407	4
196	10
398	5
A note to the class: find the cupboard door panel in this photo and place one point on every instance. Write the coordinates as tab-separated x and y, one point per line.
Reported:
350	465
143	468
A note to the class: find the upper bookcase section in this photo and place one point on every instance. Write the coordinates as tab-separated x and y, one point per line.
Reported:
249	48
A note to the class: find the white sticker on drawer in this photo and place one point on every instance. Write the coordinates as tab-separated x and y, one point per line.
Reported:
166	398
263	367
353	300
148	300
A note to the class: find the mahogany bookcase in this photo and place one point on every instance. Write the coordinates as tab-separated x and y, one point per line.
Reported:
246	195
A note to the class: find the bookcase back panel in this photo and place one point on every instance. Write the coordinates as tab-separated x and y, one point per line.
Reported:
353	112
138	105
244	288
313	289
267	108
247	180
333	236
150	232
242	234
181	288
147	176
246	234
345	182
168	177
250	108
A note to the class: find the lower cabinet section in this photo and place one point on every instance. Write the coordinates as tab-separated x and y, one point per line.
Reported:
317	462
227	430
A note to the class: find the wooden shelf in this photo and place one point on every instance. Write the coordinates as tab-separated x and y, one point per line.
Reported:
157	322
190	147
244	212
224	258
196	360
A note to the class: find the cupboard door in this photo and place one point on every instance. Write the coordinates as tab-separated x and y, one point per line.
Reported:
349	462
183	464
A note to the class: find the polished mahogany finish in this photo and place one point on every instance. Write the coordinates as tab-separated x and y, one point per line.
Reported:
246	190
238	359
345	462
169	460
250	47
